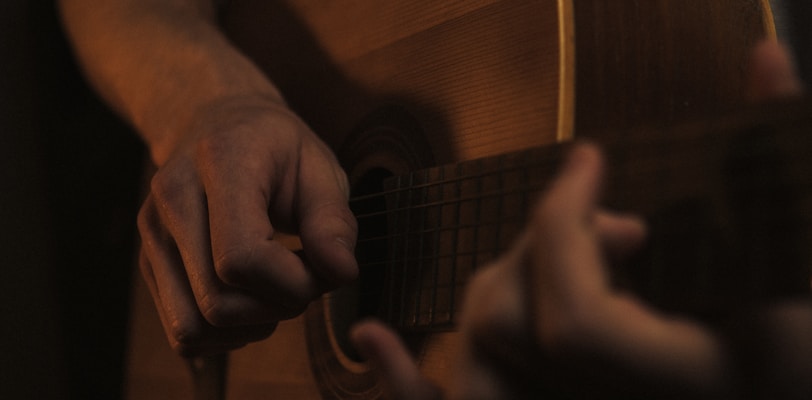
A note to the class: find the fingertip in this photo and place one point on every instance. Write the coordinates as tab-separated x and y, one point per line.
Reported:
621	234
583	166
583	153
384	349
772	73
328	240
574	192
332	263
362	338
372	335
346	266
379	345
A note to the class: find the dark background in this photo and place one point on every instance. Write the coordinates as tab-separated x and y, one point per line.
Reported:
69	183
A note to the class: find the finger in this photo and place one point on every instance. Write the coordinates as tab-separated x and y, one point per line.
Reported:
191	348
239	188
568	259
566	270
181	204
494	302
772	73
496	354
620	235
328	228
386	352
187	331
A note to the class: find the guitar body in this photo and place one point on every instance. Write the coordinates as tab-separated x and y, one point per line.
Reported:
400	86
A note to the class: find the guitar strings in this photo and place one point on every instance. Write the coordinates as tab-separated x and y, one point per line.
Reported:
543	163
654	167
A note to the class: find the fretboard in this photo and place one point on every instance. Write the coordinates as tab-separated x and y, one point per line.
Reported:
728	204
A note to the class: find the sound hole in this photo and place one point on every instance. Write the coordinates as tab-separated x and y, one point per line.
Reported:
388	143
364	298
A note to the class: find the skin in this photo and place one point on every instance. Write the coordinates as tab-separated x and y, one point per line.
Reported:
553	285
235	166
550	299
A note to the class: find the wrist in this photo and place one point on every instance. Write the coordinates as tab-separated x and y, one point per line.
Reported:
216	114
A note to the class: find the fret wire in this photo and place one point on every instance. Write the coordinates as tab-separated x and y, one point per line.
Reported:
495	193
805	221
406	252
496	171
454	241
438	231
546	160
613	180
418	187
457	251
390	263
427	258
395	236
461	283
419	272
499	207
474	240
626	177
525	178
544	157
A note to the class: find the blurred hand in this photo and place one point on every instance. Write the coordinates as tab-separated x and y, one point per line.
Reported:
546	310
246	170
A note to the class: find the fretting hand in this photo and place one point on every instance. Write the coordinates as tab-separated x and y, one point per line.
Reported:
545	311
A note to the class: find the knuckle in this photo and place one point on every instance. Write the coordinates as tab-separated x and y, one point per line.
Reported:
145	219
213	148
232	265
185	337
216	313
166	187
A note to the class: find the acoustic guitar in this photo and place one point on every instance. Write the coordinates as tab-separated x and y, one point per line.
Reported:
446	115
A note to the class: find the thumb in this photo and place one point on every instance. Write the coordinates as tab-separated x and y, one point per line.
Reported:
387	353
327	227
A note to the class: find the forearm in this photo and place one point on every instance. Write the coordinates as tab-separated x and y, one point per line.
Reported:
160	63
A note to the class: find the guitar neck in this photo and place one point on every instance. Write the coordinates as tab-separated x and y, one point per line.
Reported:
446	221
734	194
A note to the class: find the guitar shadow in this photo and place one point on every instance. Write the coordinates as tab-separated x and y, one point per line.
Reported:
280	42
